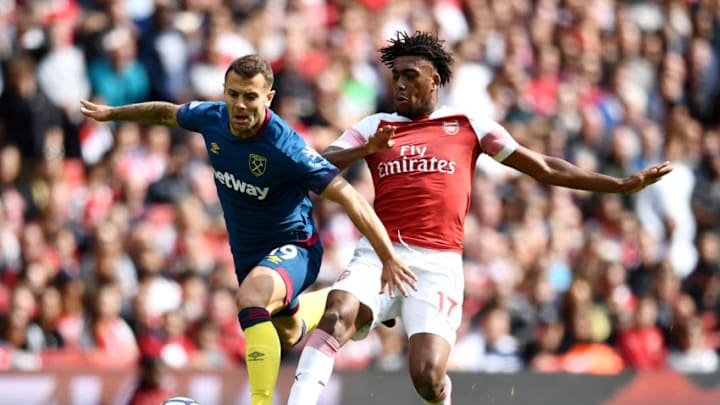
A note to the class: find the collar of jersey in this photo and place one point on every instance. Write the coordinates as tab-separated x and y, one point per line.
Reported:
438	112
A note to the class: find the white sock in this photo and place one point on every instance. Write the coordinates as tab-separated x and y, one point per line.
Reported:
314	368
446	394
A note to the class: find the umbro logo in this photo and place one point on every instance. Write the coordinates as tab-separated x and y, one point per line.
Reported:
255	356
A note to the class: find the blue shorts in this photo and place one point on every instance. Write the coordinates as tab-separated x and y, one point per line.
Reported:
297	263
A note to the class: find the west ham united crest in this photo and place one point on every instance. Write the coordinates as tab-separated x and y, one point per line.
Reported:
451	127
258	164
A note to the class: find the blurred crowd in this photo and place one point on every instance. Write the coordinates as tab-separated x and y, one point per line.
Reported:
113	246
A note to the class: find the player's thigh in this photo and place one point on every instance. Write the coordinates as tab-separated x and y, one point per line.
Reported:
432	328
280	276
262	287
361	280
436	306
297	266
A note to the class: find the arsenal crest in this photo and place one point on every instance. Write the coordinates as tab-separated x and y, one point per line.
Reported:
451	127
258	164
343	275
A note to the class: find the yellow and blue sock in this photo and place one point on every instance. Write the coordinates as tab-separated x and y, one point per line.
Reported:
262	355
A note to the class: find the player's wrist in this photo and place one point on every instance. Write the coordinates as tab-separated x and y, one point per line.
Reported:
387	257
367	149
627	184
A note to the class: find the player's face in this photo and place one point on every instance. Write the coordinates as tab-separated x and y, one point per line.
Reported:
415	84
246	101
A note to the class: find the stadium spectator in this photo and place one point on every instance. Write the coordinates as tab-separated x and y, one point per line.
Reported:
693	355
642	344
43	333
209	353
62	72
117	76
489	348
150	388
27	114
585	355
116	344
164	52
543	353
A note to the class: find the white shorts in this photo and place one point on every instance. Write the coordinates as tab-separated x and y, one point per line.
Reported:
436	307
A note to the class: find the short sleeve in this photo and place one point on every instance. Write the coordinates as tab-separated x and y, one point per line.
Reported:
359	133
191	115
494	139
316	171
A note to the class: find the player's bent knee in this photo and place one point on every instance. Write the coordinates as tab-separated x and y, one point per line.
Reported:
428	382
336	322
342	314
250	300
247	298
429	389
261	288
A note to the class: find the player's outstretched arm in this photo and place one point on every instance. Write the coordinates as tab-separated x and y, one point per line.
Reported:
558	172
395	272
151	112
378	142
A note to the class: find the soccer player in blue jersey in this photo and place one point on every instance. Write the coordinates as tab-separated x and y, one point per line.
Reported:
263	173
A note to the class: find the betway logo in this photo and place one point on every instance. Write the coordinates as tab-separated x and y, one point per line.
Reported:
228	180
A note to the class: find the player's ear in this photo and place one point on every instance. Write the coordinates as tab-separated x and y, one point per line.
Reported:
270	96
436	80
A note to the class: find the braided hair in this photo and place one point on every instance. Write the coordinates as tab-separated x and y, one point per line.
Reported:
422	44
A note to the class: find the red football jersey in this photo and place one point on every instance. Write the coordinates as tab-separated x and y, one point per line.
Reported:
422	184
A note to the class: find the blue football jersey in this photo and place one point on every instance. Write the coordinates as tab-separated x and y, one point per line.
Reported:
263	181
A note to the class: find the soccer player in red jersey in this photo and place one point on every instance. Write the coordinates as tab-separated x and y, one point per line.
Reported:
422	159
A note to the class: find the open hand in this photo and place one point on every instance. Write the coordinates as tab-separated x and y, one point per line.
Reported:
95	111
380	140
394	274
646	177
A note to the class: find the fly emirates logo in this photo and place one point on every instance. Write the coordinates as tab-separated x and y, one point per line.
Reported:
414	159
228	180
